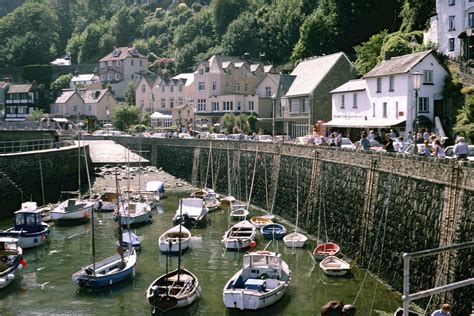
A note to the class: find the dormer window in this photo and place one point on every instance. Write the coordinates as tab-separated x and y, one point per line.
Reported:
201	71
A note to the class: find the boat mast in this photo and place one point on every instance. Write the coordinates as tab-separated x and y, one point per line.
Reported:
139	150
79	164
93	242
87	171
297	200
119	221
179	242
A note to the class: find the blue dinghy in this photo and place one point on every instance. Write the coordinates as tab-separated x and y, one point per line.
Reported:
273	231
129	239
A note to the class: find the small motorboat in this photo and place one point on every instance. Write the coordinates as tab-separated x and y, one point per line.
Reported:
295	240
262	281
273	231
169	241
107	272
202	193
260	221
11	260
28	227
129	240
239	236
212	202
227	201
191	213
154	190
107	202
239	214
176	289
324	250
334	266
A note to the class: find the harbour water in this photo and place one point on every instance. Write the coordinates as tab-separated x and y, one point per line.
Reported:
46	287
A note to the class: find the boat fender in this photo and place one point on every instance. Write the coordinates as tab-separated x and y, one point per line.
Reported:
110	282
253	244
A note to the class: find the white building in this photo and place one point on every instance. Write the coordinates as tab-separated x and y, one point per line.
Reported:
451	27
81	81
385	98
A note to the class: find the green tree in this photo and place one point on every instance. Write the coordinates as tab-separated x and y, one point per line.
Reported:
124	116
94	42
61	83
317	36
29	35
229	122
465	119
129	94
125	25
225	11
36	115
368	53
252	121
241	37
415	14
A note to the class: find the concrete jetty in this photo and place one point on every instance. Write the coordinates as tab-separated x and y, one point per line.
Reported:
104	152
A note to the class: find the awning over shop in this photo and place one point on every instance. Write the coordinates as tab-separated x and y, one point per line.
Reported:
357	123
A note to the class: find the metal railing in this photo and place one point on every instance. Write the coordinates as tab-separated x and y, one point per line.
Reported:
15	126
12	146
407	297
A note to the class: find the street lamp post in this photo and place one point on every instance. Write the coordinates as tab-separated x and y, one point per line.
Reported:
273	116
416	81
283	116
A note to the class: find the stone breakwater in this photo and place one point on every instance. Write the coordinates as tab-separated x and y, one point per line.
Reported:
375	205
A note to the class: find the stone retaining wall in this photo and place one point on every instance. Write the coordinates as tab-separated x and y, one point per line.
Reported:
375	205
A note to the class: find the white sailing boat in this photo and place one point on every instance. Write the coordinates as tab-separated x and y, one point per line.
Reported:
295	239
75	209
169	240
334	266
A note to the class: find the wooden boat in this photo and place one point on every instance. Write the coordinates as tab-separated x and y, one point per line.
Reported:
239	236
260	221
176	289
107	202
295	240
212	202
239	214
227	201
11	260
169	241
130	240
273	231
107	272
334	266
262	281
324	250
28	227
202	193
191	213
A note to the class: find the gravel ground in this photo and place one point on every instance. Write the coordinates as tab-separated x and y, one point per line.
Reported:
105	179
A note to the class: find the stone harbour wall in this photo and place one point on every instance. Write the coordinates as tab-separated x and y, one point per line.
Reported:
376	206
21	173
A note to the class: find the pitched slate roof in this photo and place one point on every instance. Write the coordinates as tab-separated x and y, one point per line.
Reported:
310	72
92	96
397	65
351	85
84	77
65	96
187	77
122	53
20	88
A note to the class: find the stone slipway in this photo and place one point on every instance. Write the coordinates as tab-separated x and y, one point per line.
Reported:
104	152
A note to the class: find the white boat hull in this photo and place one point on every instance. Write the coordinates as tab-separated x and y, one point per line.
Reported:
334	266
295	240
61	213
169	241
239	236
133	220
7	279
133	213
252	299
31	241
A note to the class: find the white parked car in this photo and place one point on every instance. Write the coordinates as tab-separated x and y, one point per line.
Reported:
450	154
347	143
264	138
218	137
185	136
159	135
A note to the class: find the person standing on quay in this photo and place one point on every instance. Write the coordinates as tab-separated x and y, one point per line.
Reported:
461	149
444	311
364	142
